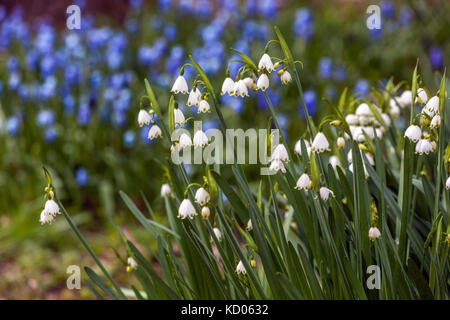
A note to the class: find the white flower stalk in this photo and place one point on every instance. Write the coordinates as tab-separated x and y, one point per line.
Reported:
240	269
132	263
285	77
277	165
205	212
374	233
228	86
340	143
304	182
447	183
180	85
185	141
249	82
320	143
165	190
405	99
298	147
263	82
200	139
46	217
218	234
179	116
325	193
413	133
249	225
154	132
202	196
52	207
194	97
334	161
422	96
144	118
352	119
240	89
280	153
424	146
432	105
186	209
435	122
204	107
265	63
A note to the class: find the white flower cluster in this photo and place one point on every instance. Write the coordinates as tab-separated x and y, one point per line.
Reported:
430	117
239	88
364	121
185	141
278	158
145	118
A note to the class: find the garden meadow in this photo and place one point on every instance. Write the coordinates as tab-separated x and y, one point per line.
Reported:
264	150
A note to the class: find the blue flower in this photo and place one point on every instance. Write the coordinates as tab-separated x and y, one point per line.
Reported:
45	118
311	102
303	25
82	177
14	81
203	8
69	104
274	97
13	125
387	9
340	73
170	32
50	135
436	58
325	67
84	113
13	64
406	16
129	138
236	103
268	8
362	87
164	5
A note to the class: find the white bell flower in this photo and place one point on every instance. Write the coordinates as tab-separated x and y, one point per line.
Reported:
352	119
263	82
180	85
165	190
320	143
144	118
413	133
447	183
228	86
325	193
52	207
405	99
204	106
186	209
422	96
194	97
277	165
265	63
280	153
202	196
132	263
200	139
424	146
374	233
218	234
185	141
298	147
334	161
205	212
304	182
240	89
154	132
286	77
240	269
179	116
46	217
432	105
435	122
340	143
249	225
